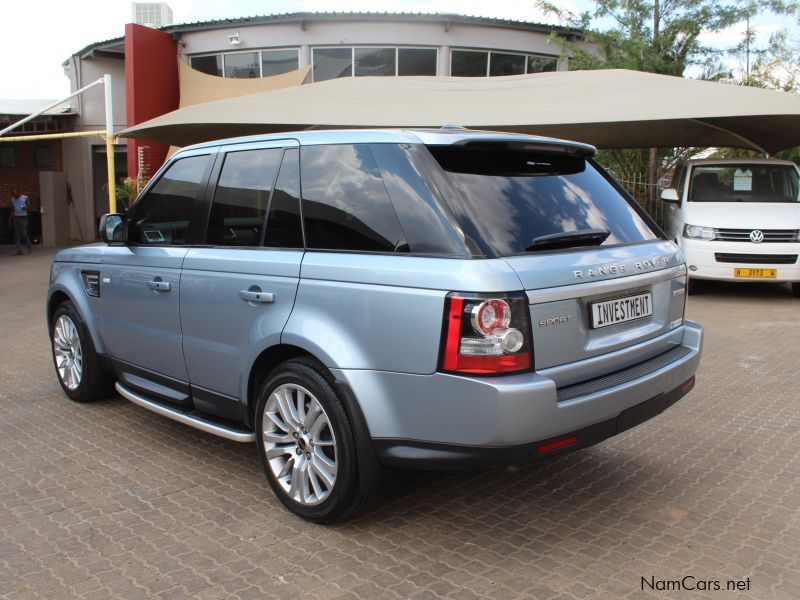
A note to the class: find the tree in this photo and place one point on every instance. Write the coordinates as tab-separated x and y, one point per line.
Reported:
663	36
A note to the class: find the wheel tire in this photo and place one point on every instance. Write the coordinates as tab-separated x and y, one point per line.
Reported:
796	289
75	360
693	286
294	478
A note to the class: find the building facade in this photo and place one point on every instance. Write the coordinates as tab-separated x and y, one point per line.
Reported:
144	67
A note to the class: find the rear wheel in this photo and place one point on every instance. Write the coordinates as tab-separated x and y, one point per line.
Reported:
74	357
306	444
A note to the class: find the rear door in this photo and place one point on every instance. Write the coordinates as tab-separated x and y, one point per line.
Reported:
238	288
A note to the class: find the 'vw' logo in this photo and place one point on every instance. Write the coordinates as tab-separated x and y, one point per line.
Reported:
756	236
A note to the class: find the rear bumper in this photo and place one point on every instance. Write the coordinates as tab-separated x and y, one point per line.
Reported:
429	456
419	419
702	263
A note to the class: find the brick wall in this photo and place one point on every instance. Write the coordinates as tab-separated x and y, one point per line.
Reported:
25	175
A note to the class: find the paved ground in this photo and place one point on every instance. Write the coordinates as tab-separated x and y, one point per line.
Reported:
108	500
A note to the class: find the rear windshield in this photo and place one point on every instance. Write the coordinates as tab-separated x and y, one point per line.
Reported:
511	198
743	183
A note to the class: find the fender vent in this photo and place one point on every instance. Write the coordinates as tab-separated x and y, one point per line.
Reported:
91	283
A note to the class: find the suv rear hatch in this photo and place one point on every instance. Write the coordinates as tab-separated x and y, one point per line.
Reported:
606	290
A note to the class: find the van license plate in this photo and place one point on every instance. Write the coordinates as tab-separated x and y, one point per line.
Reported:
621	310
764	273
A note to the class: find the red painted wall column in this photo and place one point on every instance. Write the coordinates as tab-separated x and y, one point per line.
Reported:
151	86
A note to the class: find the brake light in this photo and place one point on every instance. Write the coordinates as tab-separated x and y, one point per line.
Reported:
486	335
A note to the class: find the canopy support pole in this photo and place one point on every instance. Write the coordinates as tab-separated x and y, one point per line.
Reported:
750	143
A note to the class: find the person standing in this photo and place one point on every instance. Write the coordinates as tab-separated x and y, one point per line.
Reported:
19	213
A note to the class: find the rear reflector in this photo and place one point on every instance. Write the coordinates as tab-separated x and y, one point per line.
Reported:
556	445
688	385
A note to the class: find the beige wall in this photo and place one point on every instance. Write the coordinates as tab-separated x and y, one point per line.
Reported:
78	151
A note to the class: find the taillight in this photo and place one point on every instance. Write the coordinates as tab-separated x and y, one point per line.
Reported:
486	334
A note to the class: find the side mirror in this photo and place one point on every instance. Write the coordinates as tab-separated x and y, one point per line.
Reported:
670	195
112	228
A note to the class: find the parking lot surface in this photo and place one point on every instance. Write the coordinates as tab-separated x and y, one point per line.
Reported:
109	500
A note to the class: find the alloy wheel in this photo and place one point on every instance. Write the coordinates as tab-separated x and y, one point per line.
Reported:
299	444
68	352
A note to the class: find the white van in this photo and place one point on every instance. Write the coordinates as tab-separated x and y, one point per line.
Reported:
737	219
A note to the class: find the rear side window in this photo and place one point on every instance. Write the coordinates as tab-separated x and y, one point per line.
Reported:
241	198
510	198
284	229
163	216
345	204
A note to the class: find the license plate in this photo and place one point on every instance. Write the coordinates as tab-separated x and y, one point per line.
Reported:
762	273
621	310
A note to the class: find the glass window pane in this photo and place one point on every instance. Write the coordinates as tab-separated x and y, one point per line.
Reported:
512	197
208	64
416	61
43	156
8	158
283	223
331	63
275	62
162	216
241	197
242	65
756	182
541	64
506	64
374	61
345	204
468	63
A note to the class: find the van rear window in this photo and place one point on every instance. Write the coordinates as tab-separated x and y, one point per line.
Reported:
512	198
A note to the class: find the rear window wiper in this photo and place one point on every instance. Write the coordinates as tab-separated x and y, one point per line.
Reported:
569	239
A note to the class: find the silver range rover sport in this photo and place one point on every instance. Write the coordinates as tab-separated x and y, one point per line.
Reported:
356	302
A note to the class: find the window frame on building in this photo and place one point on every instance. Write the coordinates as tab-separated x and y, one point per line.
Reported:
259	51
490	51
394	47
12	148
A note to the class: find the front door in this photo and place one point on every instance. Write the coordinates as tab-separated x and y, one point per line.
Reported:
140	282
238	290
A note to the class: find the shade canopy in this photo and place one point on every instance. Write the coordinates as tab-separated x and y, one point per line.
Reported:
606	108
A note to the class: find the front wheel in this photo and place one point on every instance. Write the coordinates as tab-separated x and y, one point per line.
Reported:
306	444
796	289
76	362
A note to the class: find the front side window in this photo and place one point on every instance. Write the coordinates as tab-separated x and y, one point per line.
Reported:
240	200
512	198
164	214
756	182
345	203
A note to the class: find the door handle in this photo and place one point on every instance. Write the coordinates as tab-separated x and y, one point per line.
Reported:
253	297
159	286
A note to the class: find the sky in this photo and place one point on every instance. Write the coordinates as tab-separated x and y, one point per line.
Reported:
39	35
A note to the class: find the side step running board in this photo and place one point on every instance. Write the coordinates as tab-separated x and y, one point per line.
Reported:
191	420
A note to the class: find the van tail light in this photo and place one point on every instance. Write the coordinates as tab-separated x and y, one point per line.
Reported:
486	334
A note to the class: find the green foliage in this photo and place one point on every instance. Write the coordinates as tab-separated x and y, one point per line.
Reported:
656	37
